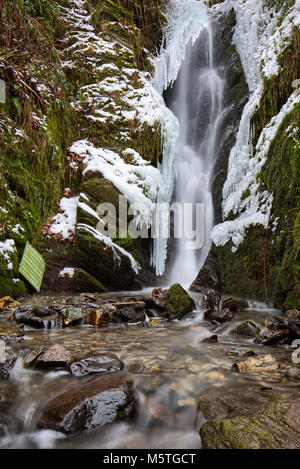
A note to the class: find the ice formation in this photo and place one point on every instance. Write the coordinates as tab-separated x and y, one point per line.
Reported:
257	32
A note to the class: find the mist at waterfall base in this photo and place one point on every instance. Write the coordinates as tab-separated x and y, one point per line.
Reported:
196	98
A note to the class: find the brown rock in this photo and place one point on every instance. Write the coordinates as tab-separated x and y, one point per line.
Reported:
220	316
55	357
97	318
10	331
88	404
211	299
158	296
8	302
292	314
252	364
131	311
96	364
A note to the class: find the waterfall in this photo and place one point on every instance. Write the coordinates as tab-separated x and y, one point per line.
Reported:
197	101
185	20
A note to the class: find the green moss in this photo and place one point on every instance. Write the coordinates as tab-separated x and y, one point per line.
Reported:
178	302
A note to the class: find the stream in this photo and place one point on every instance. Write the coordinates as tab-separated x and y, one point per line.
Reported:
169	367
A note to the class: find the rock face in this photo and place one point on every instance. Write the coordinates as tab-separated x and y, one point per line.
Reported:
178	302
88	404
96	364
250	419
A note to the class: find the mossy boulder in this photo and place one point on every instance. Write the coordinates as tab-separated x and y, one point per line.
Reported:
84	282
270	422
247	328
178	302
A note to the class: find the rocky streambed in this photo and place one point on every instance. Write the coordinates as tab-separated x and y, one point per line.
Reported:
153	369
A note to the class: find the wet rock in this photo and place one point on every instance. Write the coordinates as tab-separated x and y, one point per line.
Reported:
97	318
292	314
89	296
72	316
88	404
96	364
54	357
31	356
241	353
293	374
83	281
234	304
210	340
178	302
211	300
131	311
37	317
158	296
279	331
6	364
7	302
219	316
247	328
252	364
250	419
10	331
154	322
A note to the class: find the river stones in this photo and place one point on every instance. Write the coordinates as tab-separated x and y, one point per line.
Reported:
71	315
293	373
250	419
54	357
9	331
89	403
210	340
97	318
219	316
211	300
158	297
7	302
96	364
6	364
31	356
37	317
247	328
279	331
131	311
261	363
178	302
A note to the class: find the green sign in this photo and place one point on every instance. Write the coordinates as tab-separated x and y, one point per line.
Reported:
32	266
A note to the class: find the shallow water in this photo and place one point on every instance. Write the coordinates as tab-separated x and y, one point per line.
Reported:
170	367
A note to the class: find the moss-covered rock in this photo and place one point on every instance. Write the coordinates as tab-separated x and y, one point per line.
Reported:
84	282
178	302
248	328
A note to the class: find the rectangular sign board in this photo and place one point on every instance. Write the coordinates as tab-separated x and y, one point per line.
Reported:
32	266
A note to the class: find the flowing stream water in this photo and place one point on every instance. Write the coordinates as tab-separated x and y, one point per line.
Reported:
170	367
197	101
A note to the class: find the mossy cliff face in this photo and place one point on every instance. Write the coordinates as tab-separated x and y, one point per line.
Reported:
52	69
266	263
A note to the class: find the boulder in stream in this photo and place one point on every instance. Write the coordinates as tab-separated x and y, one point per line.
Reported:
131	311
158	297
211	300
96	364
220	316
10	331
252	364
247	328
6	364
55	356
178	302
89	403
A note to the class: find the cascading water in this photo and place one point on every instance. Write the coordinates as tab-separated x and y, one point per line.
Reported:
197	101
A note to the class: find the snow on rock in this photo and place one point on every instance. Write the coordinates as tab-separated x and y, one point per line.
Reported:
116	250
257	32
63	224
67	272
139	182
